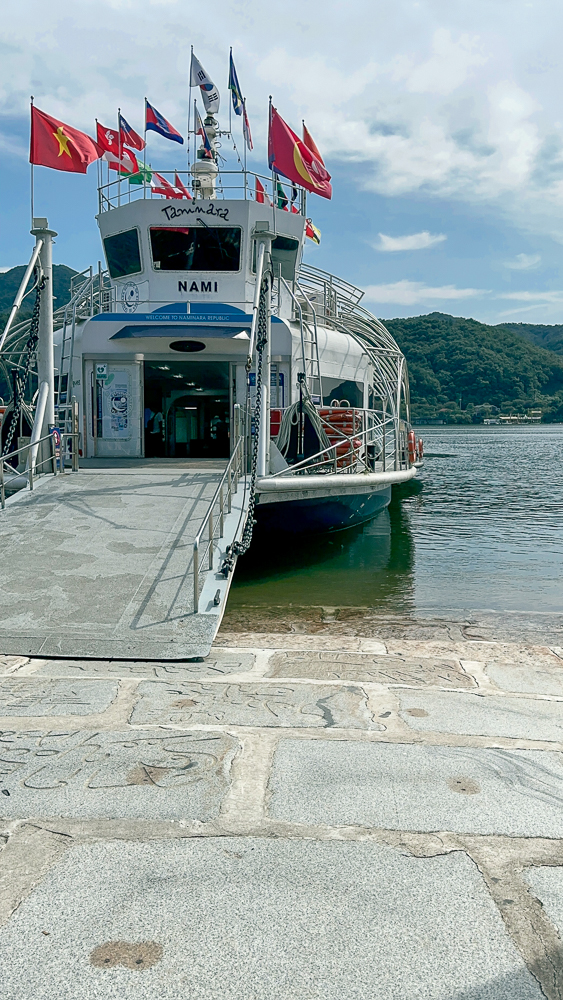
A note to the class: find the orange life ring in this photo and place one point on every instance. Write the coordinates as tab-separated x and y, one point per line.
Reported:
412	447
420	448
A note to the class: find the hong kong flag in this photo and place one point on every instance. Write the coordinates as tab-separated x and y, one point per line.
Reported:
56	145
118	157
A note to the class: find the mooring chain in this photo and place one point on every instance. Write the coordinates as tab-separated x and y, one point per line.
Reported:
239	548
21	380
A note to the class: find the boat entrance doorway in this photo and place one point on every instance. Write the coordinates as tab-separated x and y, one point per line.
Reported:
186	409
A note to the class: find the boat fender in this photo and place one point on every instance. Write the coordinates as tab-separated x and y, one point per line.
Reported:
420	449
412	447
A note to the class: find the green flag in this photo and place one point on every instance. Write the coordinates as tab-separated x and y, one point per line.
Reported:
143	176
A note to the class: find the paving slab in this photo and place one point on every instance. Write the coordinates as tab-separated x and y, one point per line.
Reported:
482	715
220	663
295	705
391	671
532	678
263	920
547	885
418	788
134	774
30	696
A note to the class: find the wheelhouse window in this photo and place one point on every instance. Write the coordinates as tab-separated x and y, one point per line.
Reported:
195	248
284	257
123	253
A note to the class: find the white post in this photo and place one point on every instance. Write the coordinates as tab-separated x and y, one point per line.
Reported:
45	347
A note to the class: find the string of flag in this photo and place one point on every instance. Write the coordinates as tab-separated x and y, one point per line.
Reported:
59	146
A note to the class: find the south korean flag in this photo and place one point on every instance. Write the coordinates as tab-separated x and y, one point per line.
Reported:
209	92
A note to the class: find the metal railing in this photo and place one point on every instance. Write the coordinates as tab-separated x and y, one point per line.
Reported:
213	525
358	458
55	458
230	184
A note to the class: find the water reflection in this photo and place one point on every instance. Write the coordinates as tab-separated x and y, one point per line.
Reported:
367	566
485	522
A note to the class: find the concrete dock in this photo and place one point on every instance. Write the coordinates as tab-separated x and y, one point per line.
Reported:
99	563
302	814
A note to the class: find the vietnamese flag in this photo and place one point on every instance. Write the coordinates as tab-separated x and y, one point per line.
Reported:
289	156
56	145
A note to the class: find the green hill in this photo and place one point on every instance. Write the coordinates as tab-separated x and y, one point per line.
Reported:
462	371
10	282
544	336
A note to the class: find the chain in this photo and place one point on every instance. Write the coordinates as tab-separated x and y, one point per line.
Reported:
239	548
21	380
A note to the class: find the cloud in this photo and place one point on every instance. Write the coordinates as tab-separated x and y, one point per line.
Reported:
523	262
417	241
410	293
547	296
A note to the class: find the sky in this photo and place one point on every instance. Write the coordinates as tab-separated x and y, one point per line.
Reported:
440	122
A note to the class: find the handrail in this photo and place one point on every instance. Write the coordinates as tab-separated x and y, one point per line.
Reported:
20	293
231	475
314	312
30	467
304	463
298	304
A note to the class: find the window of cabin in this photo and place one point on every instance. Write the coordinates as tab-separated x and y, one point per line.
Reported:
123	253
195	248
284	254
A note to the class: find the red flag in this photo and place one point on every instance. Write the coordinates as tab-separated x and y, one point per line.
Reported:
56	145
289	156
118	157
107	138
261	196
311	144
181	188
163	186
128	135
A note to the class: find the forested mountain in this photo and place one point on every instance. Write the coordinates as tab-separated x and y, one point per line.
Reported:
462	371
10	282
544	336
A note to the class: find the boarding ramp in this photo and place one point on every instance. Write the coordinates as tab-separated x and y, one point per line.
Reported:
121	559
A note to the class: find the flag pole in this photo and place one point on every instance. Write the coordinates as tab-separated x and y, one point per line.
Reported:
244	137
274	191
31	178
145	155
190	105
231	100
98	169
119	155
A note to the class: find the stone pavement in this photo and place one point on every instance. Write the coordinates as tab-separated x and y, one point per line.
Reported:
295	817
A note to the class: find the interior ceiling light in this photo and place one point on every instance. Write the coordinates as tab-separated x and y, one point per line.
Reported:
164	368
177	376
198	388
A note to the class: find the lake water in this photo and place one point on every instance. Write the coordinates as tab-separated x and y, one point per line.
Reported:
480	528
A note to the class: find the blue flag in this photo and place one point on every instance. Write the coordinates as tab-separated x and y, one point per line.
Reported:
234	87
156	122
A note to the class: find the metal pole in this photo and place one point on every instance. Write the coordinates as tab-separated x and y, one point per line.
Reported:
45	346
221	513
196	577
211	539
75	434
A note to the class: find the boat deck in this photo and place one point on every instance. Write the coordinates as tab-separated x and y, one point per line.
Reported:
99	563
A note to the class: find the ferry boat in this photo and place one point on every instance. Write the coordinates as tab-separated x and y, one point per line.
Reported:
207	327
